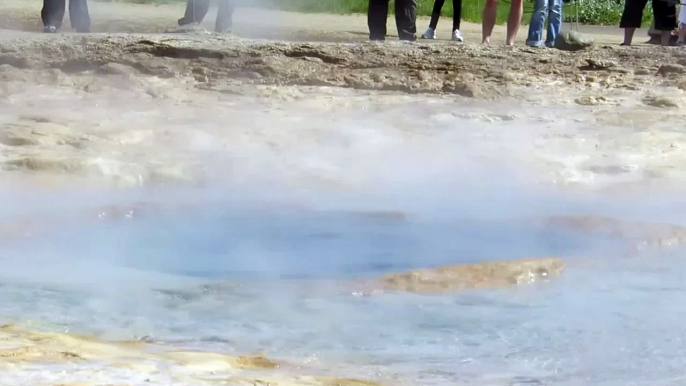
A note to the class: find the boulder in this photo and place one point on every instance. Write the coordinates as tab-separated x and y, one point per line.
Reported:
574	41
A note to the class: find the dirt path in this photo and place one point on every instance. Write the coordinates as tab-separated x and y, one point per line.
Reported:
249	23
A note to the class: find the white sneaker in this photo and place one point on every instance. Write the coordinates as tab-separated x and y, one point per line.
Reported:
191	28
457	36
429	34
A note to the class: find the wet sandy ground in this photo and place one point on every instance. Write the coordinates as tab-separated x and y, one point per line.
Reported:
610	114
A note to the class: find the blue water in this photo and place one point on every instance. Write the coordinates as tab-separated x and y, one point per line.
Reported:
276	281
229	243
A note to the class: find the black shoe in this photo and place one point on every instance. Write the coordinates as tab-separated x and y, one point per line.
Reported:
49	29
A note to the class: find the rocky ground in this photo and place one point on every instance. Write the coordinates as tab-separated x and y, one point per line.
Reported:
226	64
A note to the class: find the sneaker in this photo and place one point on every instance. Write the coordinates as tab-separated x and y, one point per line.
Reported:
457	36
49	29
191	28
429	34
220	29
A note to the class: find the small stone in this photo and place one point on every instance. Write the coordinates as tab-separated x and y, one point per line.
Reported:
115	69
15	61
642	71
667	69
661	101
589	100
510	77
574	41
597	64
586	100
201	78
465	89
423	75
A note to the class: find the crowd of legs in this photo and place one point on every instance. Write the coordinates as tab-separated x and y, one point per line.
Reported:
546	15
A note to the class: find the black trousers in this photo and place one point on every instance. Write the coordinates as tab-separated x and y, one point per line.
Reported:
197	9
405	18
436	14
664	12
53	13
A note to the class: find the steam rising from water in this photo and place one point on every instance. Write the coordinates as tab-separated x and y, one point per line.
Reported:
283	210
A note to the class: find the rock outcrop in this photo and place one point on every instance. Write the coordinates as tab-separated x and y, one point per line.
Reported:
89	358
488	275
642	234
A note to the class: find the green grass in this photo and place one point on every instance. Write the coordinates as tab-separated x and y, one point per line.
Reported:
471	9
601	12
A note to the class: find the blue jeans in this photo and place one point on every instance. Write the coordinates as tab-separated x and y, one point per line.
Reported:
543	8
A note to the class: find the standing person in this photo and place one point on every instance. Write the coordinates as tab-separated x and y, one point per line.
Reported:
513	20
436	14
681	41
405	19
196	10
53	13
553	10
664	12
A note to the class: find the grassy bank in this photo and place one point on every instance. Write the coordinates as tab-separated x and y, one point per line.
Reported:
598	12
471	9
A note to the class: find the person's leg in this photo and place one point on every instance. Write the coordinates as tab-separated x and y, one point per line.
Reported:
631	18
514	20
225	16
682	25
195	12
554	22
535	36
490	14
53	13
665	19
78	14
436	13
377	14
457	14
406	19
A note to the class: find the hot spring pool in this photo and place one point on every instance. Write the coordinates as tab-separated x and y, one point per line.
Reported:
234	280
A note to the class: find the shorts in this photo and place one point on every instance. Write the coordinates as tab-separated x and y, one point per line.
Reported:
664	12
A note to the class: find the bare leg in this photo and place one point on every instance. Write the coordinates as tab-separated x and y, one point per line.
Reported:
628	36
514	20
682	32
666	37
490	14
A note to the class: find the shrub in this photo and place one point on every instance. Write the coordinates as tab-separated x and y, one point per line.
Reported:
601	12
